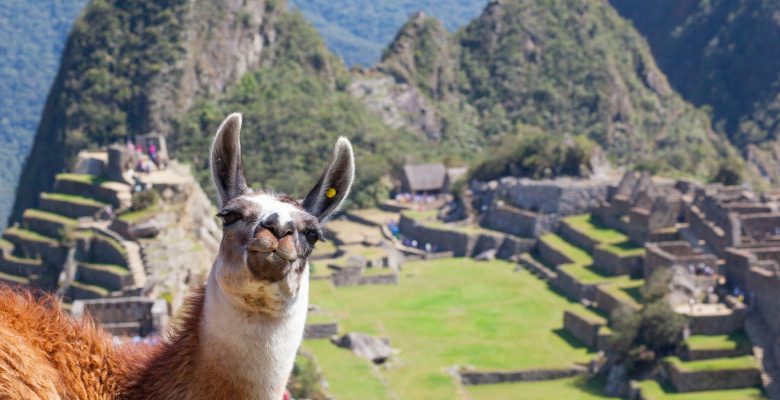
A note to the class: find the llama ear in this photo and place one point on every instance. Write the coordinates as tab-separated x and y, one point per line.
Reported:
227	169
334	184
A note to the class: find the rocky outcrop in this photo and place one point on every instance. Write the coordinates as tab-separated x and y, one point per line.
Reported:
366	346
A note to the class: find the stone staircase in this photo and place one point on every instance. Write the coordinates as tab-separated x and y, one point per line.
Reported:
762	349
135	263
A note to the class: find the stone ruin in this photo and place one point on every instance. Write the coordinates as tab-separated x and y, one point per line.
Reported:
84	243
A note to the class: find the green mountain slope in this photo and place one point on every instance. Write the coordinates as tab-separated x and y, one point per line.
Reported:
722	53
358	30
31	42
179	66
569	67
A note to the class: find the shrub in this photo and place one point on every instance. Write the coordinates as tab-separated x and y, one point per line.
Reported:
144	199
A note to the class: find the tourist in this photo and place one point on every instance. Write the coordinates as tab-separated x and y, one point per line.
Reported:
153	156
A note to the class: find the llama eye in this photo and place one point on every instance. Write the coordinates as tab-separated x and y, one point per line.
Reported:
313	236
229	217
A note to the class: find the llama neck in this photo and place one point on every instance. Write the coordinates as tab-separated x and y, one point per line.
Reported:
254	353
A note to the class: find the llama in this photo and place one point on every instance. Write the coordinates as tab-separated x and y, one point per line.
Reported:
240	333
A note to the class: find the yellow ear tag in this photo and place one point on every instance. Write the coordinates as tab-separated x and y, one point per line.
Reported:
330	193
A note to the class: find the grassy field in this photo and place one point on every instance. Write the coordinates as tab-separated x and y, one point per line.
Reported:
574	253
623	249
748	361
31	235
577	388
69	198
595	230
652	390
52	217
725	342
137	216
454	312
83	178
349	376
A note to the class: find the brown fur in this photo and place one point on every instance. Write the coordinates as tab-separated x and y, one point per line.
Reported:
45	354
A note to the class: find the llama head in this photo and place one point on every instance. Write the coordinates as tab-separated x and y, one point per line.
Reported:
267	237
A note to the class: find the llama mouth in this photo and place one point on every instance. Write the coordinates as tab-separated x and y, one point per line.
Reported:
268	266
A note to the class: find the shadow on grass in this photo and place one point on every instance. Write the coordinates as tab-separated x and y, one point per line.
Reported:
627	245
634	292
572	340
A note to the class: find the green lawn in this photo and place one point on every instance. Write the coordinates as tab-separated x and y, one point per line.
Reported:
716	363
103	292
349	376
137	216
427	215
13	278
318	318
577	388
326	247
627	293
69	198
591	274
724	342
4	244
107	268
623	249
83	178
30	235
652	390
52	217
574	253
585	224
455	312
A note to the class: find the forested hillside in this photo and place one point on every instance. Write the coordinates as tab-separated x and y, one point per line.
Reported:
547	78
721	53
178	67
358	30
570	68
31	42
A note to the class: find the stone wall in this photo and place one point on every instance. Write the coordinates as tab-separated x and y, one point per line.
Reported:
152	315
719	236
45	227
763	288
384	279
761	226
608	301
320	331
614	264
508	219
717	324
573	235
346	276
584	329
551	255
461	244
695	381
529	375
738	262
68	208
568	284
666	254
536	267
561	196
103	276
50	251
689	354
102	250
514	246
84	189
22	267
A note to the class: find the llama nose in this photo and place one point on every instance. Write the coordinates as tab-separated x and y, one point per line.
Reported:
273	223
